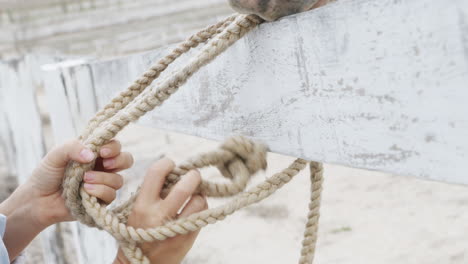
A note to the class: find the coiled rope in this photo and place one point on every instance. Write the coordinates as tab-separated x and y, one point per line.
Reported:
237	159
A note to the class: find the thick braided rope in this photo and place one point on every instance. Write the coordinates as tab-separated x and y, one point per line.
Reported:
237	159
152	73
310	233
116	117
125	97
122	100
130	235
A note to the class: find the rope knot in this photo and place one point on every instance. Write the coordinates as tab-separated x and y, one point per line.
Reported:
252	155
237	159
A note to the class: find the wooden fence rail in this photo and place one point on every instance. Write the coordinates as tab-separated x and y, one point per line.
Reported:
23	144
380	85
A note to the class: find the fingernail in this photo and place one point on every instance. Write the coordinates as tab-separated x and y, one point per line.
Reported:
88	186
89	176
105	152
87	154
108	163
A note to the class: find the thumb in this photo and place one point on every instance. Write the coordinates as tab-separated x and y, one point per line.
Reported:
59	156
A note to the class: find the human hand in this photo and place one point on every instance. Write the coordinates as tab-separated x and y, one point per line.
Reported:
103	182
38	202
151	210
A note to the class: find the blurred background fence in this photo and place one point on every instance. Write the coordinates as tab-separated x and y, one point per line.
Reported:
100	28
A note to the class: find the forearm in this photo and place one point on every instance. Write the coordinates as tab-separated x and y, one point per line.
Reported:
20	230
22	224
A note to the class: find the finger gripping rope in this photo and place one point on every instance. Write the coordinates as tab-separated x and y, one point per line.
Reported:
237	159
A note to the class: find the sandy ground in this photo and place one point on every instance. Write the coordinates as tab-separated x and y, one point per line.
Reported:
366	217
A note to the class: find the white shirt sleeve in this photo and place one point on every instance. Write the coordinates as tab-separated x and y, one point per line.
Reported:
4	259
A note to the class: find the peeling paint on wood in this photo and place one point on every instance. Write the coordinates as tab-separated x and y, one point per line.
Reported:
21	138
22	144
71	104
22	125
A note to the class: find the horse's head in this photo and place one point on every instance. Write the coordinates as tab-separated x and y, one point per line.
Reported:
273	9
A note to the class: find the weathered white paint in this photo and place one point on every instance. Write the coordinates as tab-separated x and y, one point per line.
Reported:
21	121
21	138
23	145
70	106
380	85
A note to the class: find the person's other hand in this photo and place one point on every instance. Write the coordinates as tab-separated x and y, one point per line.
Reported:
150	210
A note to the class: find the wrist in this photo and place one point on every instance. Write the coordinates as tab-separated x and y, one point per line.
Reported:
18	199
25	200
44	213
20	229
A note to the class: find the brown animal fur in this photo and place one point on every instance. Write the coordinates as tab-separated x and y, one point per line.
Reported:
273	9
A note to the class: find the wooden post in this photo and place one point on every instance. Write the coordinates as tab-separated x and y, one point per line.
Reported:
24	145
21	124
70	107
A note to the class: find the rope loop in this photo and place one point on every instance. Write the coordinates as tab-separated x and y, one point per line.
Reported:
237	159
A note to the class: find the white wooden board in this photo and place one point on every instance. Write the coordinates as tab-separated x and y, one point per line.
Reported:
21	135
21	122
68	110
380	85
23	144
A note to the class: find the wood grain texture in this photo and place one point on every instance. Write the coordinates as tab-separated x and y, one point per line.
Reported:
23	144
21	132
71	101
380	85
21	136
